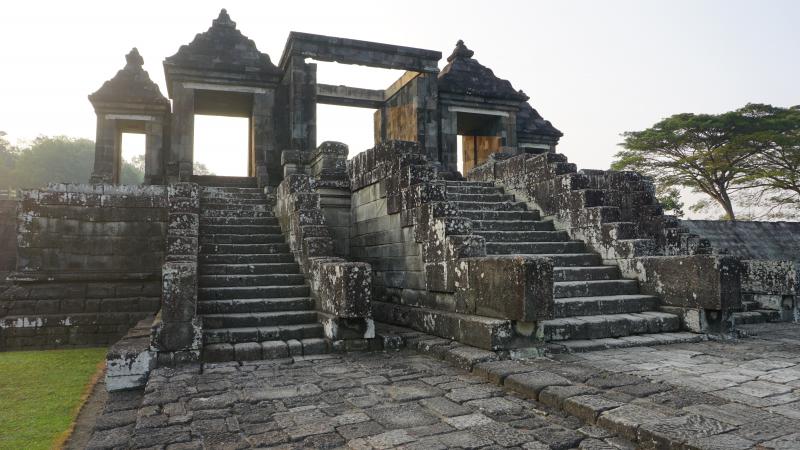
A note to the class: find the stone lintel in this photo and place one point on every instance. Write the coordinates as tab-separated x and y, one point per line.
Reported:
353	51
139	117
487	112
225	87
350	96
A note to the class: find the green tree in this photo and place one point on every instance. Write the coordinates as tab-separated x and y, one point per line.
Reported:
8	158
60	159
670	199
773	174
708	153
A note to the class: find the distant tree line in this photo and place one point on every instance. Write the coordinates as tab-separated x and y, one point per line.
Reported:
53	159
747	159
60	159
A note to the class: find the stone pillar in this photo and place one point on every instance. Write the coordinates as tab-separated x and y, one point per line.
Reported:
154	153
182	143
178	332
266	158
105	149
427	117
302	104
449	140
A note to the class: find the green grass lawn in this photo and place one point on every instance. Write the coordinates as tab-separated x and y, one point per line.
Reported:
40	392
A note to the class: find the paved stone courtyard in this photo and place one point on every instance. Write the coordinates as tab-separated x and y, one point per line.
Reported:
734	394
362	401
750	386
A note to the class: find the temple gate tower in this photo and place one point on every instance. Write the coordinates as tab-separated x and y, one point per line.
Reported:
129	103
221	72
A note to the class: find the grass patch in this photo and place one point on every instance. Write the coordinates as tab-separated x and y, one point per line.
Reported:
41	392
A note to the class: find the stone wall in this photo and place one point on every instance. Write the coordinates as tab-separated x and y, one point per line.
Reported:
770	253
89	264
8	238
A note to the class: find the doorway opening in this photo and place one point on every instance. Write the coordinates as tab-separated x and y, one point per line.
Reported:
221	145
132	154
479	135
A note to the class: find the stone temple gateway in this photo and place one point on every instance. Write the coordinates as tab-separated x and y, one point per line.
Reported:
516	252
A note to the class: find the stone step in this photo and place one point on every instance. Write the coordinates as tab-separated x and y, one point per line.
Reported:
498	215
473	189
244	248
261	319
253	305
638	340
233	206
523	236
513	225
756	316
255	351
606	326
585	273
515	248
564	289
478	331
573	259
229	258
210	191
490	206
239	199
274	279
238	221
222	181
208	213
607	304
750	305
230	293
261	238
248	269
470	183
257	334
239	229
480	197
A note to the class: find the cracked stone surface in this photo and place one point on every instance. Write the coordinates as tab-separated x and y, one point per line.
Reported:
359	400
720	394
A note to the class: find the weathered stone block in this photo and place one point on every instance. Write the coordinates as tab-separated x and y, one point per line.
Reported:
507	287
345	289
697	281
179	291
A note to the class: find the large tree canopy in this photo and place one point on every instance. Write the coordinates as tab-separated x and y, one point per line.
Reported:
53	159
716	154
773	174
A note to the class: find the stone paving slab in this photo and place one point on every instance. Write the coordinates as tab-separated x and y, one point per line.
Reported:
639	397
741	393
394	399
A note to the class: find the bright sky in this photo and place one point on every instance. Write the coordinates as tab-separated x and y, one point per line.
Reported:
593	68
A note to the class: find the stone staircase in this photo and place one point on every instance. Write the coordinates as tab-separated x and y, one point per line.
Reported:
252	297
594	306
752	313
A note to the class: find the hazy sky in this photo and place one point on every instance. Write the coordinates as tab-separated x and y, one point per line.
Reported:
593	68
